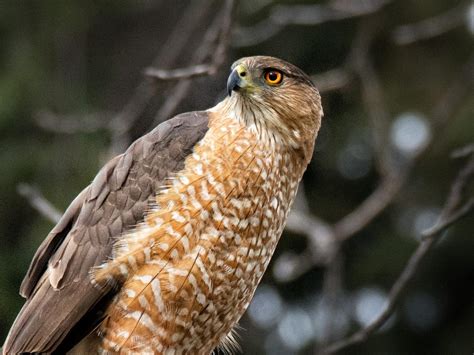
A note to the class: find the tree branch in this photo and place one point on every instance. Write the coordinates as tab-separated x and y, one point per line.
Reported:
389	187
306	15
372	94
39	202
332	293
181	73
218	31
450	214
332	80
381	197
202	69
72	124
123	122
431	27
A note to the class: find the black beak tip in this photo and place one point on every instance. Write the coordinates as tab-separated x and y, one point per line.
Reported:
233	82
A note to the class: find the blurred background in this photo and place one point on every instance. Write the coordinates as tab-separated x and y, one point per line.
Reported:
397	98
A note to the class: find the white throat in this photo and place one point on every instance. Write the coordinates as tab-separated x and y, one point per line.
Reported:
259	118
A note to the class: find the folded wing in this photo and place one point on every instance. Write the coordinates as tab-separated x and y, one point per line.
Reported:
62	305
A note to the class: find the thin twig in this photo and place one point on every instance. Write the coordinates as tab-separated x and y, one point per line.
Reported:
72	124
321	242
218	56
331	295
451	213
332	80
39	202
372	94
370	208
430	27
463	152
455	198
181	73
464	210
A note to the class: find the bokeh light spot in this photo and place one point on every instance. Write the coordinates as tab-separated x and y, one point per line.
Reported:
409	133
266	307
369	303
296	329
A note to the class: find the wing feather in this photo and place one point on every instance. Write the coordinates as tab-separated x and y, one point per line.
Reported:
60	296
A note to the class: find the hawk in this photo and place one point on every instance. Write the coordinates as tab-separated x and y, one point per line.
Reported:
162	252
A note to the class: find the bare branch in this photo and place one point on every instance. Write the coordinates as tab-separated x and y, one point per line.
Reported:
218	31
331	294
430	27
381	197
452	212
39	202
449	220
324	239
298	222
322	244
72	124
371	207
372	95
389	187
121	124
144	93
449	215
307	15
320	234
182	73
461	87
463	152
218	56
332	80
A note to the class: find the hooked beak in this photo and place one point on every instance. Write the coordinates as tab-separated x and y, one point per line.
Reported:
236	79
233	82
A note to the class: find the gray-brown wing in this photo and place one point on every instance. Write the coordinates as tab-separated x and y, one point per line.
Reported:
57	286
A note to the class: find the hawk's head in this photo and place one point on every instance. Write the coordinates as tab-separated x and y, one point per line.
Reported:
276	97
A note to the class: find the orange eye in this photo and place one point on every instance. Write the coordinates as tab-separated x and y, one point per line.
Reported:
273	77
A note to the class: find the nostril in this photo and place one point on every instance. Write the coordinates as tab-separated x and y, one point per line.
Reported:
242	74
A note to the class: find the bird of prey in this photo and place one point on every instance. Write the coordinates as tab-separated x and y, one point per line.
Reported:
162	252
